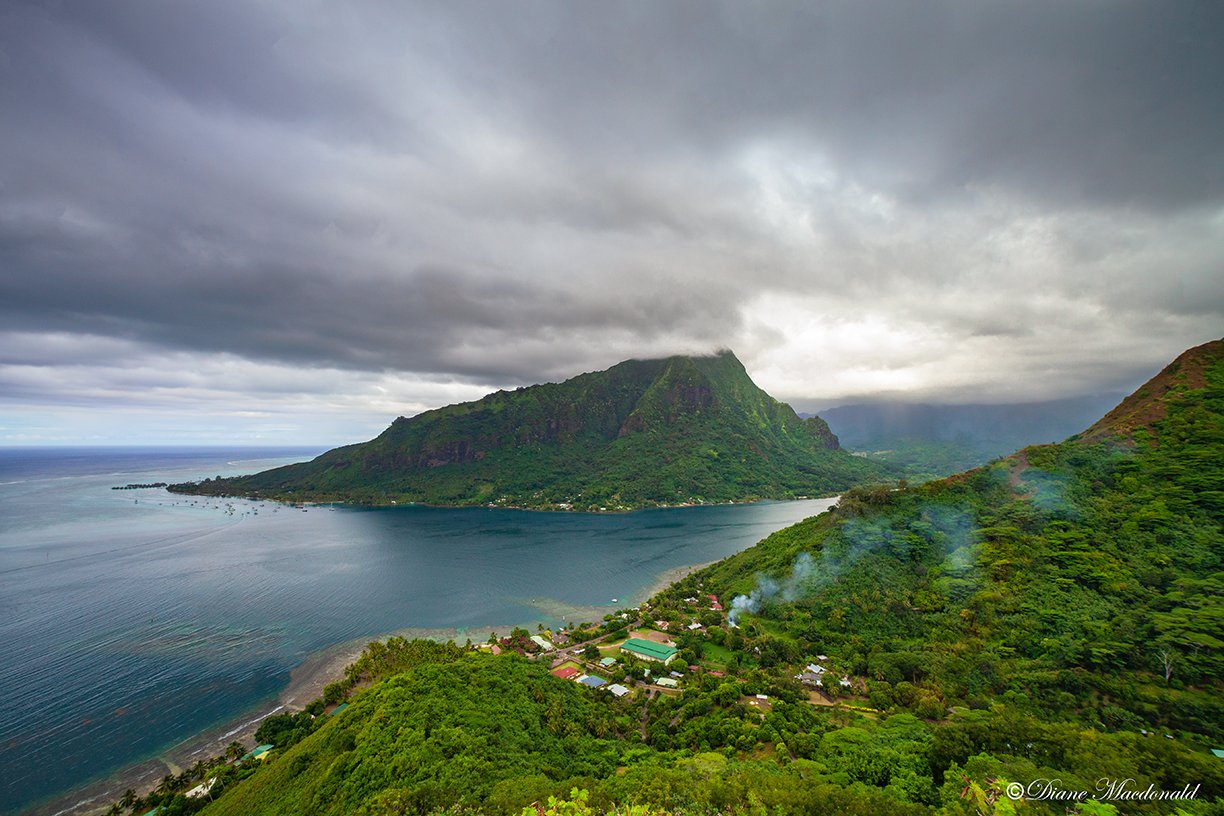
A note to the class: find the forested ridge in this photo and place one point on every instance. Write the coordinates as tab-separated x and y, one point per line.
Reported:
1055	615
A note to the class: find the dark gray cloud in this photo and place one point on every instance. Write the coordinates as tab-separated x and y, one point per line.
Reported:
1000	200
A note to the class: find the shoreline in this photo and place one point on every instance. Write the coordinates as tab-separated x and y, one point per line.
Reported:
306	683
543	508
667	578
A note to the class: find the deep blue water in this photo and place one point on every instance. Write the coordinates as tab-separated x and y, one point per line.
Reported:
131	620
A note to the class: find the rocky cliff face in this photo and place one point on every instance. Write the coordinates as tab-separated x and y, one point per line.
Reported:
819	429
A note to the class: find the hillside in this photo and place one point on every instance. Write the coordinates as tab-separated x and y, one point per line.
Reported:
1055	615
644	432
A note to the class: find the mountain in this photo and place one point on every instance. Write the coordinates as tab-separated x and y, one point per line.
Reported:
938	440
1047	624
644	432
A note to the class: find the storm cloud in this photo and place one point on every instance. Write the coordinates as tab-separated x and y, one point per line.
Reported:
368	209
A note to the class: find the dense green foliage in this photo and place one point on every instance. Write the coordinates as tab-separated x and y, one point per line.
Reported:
1054	616
680	430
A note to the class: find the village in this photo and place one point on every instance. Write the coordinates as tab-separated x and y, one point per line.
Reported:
647	651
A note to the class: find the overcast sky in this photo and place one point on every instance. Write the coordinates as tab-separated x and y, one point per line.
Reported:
291	222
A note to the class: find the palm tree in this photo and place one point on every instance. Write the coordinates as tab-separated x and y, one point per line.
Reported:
128	799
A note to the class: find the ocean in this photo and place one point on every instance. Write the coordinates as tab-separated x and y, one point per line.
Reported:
131	620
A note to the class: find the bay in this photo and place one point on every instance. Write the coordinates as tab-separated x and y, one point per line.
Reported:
133	619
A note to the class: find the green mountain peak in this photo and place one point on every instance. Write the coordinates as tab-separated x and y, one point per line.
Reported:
682	429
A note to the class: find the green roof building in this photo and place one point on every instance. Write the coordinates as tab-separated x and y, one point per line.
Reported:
260	752
649	650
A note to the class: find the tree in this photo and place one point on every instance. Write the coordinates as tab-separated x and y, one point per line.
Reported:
591	652
1166	656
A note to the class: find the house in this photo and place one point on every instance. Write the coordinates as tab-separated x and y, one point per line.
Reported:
542	643
815	668
661	624
201	789
714	604
666	682
649	650
810	679
694	626
607	661
844	682
618	690
592	680
566	673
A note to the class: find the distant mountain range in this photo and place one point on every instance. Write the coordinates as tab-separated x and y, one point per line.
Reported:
937	440
642	433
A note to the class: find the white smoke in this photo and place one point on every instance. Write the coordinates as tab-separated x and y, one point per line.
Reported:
950	531
792	588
